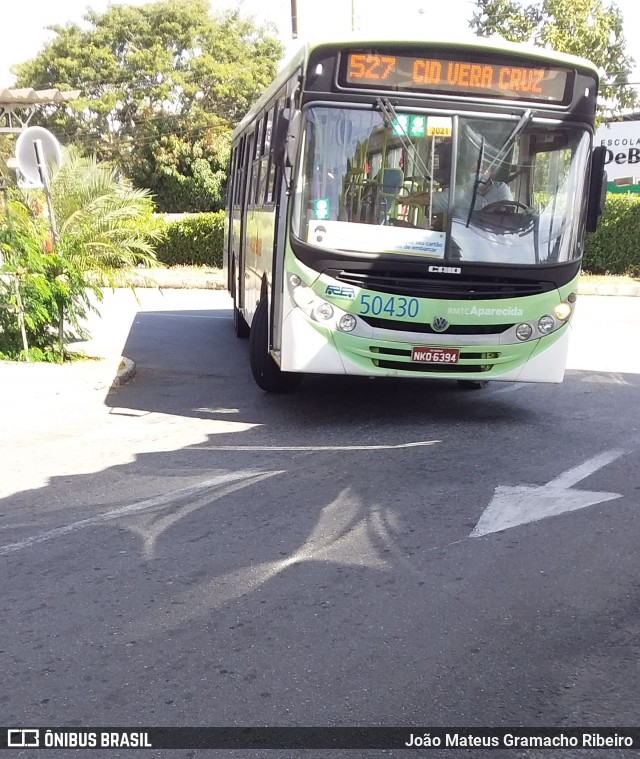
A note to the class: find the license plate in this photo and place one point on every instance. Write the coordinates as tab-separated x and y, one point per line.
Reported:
435	355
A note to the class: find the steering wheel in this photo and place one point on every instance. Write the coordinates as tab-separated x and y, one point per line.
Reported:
506	206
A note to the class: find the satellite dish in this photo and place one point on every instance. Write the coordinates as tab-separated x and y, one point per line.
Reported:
26	152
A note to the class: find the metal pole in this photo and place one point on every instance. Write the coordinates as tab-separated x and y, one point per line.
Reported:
433	160
44	178
294	19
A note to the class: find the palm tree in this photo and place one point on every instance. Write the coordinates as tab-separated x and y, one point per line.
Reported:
103	228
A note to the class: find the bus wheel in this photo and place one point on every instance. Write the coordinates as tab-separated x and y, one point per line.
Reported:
265	371
473	384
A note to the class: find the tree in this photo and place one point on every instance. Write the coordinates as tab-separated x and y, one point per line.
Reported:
162	86
581	27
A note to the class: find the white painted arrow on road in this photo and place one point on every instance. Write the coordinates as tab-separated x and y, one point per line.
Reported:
513	506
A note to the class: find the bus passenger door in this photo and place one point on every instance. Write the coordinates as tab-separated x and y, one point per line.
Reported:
282	169
241	273
277	280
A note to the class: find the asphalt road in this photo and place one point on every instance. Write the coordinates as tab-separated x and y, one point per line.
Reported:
362	552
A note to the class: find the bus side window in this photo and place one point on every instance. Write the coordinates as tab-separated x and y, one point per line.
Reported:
232	191
250	187
243	171
256	198
268	147
272	182
255	172
259	134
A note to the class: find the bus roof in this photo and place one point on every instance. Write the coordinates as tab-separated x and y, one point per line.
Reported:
470	42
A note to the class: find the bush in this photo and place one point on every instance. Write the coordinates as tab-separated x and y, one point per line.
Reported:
193	241
614	248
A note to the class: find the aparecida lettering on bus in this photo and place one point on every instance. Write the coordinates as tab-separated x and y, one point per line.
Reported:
482	311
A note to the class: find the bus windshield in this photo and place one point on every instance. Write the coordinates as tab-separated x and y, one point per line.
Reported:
470	189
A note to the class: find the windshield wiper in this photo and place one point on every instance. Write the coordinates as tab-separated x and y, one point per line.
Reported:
476	181
502	152
506	146
391	115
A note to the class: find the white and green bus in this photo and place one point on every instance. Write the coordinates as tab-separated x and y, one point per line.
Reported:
413	209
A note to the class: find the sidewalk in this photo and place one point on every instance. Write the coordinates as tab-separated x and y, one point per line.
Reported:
39	398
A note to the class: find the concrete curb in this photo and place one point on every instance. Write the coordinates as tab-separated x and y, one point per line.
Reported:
623	290
126	372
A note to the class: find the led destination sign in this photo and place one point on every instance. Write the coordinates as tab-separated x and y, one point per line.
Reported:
404	72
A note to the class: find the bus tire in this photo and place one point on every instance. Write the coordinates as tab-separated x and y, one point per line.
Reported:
266	372
473	384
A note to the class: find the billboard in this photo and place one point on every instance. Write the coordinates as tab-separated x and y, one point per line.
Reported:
622	142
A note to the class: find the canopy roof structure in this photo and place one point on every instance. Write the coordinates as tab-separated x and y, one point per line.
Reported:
18	106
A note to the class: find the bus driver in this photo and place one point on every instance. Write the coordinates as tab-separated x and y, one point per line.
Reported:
487	190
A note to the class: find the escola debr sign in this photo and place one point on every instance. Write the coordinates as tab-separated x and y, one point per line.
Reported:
622	163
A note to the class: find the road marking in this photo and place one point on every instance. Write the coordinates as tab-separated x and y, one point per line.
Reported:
315	447
513	506
250	476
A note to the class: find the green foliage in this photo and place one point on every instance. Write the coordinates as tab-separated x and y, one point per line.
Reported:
185	176
585	28
27	291
193	241
104	226
614	248
162	86
7	150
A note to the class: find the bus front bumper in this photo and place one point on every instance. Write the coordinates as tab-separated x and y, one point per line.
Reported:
310	347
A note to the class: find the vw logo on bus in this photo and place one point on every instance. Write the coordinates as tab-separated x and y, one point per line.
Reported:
439	324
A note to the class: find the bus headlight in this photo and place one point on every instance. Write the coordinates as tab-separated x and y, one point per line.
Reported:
323	312
546	324
524	331
347	323
562	311
304	297
328	315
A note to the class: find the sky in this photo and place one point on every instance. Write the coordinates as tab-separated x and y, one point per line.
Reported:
25	21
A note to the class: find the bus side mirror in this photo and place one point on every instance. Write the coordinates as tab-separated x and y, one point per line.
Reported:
597	188
287	137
